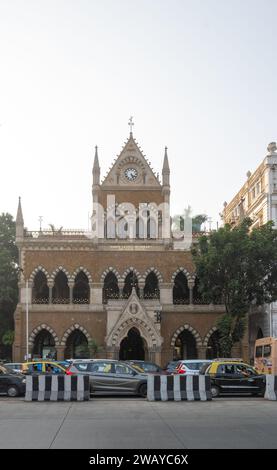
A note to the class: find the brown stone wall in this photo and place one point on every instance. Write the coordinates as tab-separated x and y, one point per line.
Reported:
96	262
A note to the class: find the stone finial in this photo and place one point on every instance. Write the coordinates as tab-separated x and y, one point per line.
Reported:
225	204
272	147
19	223
248	174
96	167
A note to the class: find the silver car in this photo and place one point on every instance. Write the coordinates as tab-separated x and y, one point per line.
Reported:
112	377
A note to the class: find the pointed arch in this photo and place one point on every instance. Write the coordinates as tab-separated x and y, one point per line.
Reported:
129	270
64	270
40	328
36	271
146	332
191	330
107	271
208	335
155	271
188	275
74	327
84	270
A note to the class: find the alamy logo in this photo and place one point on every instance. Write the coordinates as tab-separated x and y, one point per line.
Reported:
148	221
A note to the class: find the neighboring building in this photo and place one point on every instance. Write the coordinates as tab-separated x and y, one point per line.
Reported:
136	297
257	199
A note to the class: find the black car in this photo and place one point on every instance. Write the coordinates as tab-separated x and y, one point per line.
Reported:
11	383
234	378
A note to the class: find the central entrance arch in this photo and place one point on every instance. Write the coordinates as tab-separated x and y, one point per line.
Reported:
132	346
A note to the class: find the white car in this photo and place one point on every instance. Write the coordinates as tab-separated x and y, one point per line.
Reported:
190	366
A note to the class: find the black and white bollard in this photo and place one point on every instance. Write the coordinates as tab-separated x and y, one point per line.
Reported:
178	387
57	388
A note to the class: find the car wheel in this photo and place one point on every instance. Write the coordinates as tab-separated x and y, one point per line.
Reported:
215	391
12	391
143	390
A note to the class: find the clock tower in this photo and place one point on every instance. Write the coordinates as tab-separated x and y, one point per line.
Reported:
132	183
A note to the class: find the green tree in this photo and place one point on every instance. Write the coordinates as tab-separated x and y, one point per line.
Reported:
8	280
237	267
94	347
178	221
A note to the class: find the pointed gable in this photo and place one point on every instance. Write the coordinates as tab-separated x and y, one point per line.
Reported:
131	159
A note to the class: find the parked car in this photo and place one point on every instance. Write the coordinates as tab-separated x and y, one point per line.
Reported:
43	367
170	366
11	383
145	366
14	366
190	366
234	378
112	377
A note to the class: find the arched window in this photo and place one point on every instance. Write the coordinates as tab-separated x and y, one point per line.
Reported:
132	346
61	289
110	289
40	291
81	289
44	346
131	281
76	346
180	289
151	289
185	346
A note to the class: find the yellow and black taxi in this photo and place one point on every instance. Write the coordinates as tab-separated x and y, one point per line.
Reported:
234	377
44	367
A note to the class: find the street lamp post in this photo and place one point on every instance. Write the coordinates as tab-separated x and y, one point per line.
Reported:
27	320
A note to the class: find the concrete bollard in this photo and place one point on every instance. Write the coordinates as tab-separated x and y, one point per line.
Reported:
178	387
57	388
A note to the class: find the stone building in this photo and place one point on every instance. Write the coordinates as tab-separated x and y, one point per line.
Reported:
257	199
126	286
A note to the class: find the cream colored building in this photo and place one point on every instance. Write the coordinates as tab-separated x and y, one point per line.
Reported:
257	199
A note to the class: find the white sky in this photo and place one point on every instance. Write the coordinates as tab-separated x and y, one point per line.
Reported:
198	76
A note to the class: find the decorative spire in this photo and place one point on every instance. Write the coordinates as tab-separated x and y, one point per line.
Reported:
166	170
96	168
96	161
166	164
19	215
19	223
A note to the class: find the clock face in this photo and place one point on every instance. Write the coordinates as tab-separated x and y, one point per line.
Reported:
131	174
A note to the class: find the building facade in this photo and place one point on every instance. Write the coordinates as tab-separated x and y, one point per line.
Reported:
125	286
257	199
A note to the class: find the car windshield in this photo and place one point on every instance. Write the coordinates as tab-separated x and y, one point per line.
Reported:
245	370
5	370
194	365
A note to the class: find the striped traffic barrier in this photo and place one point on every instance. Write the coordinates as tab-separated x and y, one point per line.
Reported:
178	387
271	387
57	388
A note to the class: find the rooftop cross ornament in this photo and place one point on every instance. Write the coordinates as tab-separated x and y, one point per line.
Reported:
131	124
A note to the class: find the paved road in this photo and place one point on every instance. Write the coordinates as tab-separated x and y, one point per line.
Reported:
120	423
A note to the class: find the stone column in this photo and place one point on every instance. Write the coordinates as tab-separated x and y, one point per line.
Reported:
96	293
50	285
60	353
191	284
141	285
201	352
71	286
120	287
166	293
